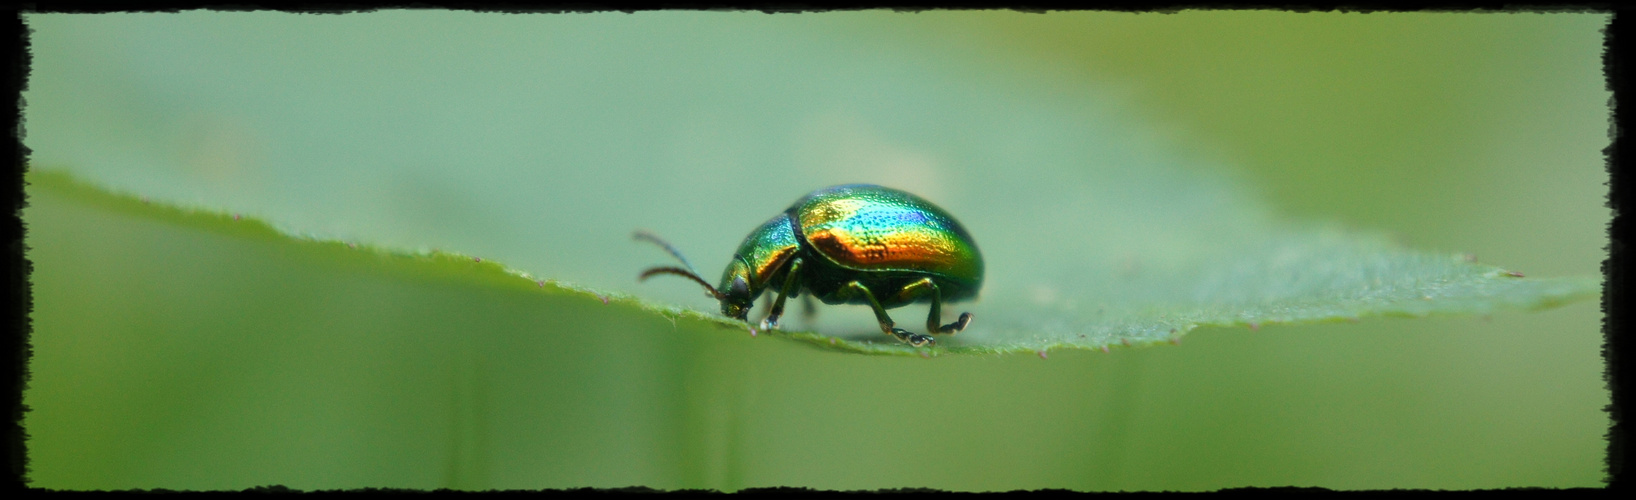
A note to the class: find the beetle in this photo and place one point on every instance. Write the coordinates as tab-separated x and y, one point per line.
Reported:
849	244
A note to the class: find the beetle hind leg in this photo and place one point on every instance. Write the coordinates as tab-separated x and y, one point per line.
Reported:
926	286
886	325
912	338
951	328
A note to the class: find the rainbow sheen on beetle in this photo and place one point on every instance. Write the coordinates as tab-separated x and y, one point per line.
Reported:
850	244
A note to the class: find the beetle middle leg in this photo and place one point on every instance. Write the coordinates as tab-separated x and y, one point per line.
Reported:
791	278
926	286
854	288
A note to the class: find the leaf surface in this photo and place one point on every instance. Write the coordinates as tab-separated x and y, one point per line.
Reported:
1299	277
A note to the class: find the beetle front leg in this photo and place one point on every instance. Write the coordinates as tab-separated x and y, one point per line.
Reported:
926	286
791	278
886	324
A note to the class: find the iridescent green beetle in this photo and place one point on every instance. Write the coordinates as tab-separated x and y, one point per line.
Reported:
851	244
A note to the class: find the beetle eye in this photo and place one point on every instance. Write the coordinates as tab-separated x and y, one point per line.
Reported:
739	287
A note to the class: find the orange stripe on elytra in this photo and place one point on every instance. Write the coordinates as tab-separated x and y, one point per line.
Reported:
901	248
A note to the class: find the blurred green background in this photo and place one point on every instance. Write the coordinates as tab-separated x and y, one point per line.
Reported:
170	357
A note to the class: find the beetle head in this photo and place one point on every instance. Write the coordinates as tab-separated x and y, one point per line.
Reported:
735	292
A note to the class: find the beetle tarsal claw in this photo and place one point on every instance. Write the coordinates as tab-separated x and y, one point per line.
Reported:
960	324
911	338
769	323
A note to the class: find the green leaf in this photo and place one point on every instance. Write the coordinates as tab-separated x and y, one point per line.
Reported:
415	353
1289	277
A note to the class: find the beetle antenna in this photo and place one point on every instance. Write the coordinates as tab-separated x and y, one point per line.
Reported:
685	273
650	237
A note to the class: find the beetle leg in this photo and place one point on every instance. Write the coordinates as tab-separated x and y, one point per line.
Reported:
886	324
791	276
924	286
936	312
